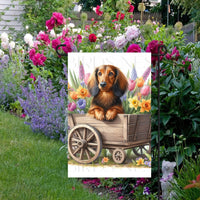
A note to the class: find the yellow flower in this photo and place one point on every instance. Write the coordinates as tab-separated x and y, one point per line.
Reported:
105	160
145	105
82	92
140	161
133	102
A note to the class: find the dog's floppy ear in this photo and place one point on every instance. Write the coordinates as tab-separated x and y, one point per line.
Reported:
121	83
93	84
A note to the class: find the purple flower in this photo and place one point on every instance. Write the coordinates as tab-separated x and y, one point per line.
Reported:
81	71
146	191
110	43
5	59
133	74
81	103
120	42
132	32
71	106
146	73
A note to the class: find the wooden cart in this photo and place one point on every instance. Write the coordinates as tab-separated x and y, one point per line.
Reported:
87	136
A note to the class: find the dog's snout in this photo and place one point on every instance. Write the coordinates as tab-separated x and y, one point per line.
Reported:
103	84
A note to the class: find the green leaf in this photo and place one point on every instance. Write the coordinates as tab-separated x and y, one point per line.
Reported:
180	159
165	119
177	84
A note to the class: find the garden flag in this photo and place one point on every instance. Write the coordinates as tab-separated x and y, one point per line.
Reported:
109	114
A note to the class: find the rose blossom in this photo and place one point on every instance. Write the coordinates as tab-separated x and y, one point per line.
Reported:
134	48
55	43
69	46
28	38
98	12
50	23
92	37
12	45
31	53
44	37
120	15
38	59
132	33
153	48
131	8
4	37
59	18
120	42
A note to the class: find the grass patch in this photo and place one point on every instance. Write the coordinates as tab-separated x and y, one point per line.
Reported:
33	166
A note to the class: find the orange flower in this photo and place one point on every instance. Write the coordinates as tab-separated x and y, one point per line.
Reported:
82	92
140	161
139	95
105	160
145	105
69	87
195	183
73	95
140	82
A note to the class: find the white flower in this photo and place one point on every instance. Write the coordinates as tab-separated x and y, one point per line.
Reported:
27	27
4	37
28	38
12	45
97	46
132	33
99	35
1	53
5	45
120	42
71	25
52	33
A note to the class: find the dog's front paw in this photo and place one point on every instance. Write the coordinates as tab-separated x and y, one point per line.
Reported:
111	114
99	115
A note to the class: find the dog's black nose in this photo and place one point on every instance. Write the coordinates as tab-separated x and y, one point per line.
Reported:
103	84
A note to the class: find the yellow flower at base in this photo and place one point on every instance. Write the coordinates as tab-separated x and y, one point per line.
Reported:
133	102
73	95
82	92
145	105
105	160
140	161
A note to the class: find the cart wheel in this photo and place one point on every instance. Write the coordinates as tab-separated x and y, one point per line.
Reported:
119	156
140	151
84	144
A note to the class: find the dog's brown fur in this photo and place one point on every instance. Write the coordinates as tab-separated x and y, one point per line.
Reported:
106	103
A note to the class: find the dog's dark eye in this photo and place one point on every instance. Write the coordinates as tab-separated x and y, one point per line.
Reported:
99	73
110	74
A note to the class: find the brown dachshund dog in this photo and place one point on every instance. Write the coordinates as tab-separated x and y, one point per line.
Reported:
107	84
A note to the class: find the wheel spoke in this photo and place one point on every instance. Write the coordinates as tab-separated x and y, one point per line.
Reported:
75	140
76	150
74	144
90	137
87	153
84	133
77	132
92	144
91	150
81	154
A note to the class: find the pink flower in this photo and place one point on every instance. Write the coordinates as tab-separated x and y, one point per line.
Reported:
187	60
68	47
36	43
92	37
98	12
92	19
79	38
59	18
55	43
50	23
38	59
120	42
134	48
153	48
132	32
87	75
23	115
120	15
33	77
131	8
131	84
31	53
174	55
71	106
87	27
145	90
121	197
44	37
